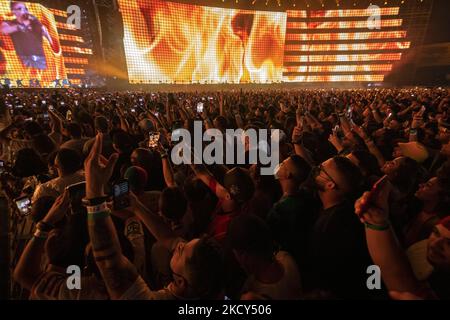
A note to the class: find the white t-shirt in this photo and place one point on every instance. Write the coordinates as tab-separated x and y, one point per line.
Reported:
289	286
56	186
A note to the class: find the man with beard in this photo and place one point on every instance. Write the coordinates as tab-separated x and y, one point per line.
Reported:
338	254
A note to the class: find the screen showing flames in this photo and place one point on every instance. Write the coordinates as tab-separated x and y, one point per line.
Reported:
342	45
168	42
37	43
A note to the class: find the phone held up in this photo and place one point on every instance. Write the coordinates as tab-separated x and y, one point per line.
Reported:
121	195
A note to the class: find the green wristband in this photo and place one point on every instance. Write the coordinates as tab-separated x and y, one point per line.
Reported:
98	215
377	227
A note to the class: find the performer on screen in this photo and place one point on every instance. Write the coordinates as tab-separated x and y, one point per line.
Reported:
27	35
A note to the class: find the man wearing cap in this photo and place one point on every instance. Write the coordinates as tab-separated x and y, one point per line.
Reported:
237	189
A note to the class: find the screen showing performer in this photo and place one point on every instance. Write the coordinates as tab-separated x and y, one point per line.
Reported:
40	48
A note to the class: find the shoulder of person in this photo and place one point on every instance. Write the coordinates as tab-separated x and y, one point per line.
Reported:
140	291
48	286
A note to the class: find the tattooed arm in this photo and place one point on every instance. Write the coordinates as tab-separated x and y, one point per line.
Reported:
118	273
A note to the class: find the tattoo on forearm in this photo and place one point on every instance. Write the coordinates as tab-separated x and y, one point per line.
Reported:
118	273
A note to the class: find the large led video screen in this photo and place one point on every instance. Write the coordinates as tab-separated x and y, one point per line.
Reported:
37	43
167	42
343	44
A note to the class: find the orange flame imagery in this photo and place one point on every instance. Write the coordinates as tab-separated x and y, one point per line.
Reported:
174	42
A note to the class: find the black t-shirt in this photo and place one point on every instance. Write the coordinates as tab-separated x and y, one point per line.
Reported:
29	42
338	254
290	220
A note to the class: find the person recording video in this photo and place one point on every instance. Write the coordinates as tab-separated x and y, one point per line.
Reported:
27	34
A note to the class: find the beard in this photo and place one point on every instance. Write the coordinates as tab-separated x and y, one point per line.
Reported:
312	184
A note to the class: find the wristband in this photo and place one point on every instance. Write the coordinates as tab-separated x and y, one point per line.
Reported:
44	226
377	227
94	201
98	215
39	234
98	208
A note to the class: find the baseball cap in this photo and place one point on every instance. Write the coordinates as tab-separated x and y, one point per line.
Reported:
414	150
239	184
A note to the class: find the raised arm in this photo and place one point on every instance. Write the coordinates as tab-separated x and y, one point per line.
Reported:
203	174
29	267
167	168
382	243
117	271
6	28
47	36
154	223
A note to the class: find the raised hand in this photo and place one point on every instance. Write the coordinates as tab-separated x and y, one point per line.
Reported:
98	172
373	206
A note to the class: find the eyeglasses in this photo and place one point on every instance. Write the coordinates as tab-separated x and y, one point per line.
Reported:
316	172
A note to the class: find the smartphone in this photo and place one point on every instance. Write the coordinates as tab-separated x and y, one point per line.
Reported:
422	109
121	191
76	102
77	192
62	103
2	166
200	107
46	117
29	119
69	115
19	106
336	129
374	193
133	110
153	139
24	205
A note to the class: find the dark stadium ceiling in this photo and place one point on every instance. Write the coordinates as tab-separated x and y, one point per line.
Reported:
282	5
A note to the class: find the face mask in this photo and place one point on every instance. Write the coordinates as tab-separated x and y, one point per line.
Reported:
276	173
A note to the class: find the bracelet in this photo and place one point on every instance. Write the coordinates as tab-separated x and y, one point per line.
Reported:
98	215
98	208
44	226
39	234
95	201
164	155
377	227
